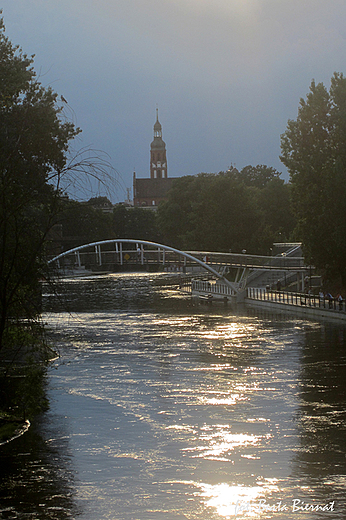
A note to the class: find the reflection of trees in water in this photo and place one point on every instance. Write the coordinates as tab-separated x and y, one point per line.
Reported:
36	477
322	413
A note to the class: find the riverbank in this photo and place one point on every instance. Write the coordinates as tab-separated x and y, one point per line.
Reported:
11	428
23	371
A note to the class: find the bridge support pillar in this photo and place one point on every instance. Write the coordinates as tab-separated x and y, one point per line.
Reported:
240	298
140	253
98	255
121	253
238	275
78	259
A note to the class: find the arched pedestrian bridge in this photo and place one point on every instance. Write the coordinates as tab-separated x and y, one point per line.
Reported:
142	252
114	254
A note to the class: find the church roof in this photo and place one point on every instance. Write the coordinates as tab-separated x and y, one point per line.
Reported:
153	188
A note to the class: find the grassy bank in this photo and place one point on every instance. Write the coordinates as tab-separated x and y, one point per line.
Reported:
23	367
11	427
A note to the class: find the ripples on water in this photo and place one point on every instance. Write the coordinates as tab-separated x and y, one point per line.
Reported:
164	410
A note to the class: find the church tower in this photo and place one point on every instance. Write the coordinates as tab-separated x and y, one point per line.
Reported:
151	192
158	160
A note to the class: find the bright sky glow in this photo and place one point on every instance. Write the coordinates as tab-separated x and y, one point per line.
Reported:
225	74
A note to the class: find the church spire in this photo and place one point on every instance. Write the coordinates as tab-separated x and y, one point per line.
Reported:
157	126
158	161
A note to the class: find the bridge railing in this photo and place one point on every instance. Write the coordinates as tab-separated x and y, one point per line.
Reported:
242	260
125	255
297	299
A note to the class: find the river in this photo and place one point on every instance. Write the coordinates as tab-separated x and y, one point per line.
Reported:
164	410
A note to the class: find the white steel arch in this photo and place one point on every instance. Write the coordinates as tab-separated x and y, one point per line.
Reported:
97	245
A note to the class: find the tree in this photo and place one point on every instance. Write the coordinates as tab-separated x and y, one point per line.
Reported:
258	176
135	223
102	203
313	149
35	158
219	212
33	153
177	215
84	222
226	216
274	202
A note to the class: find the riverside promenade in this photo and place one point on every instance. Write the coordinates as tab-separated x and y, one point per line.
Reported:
301	304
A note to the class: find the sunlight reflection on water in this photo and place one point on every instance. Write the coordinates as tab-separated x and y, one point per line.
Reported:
230	500
233	501
217	442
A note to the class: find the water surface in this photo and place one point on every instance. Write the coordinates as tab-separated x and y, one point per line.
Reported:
165	410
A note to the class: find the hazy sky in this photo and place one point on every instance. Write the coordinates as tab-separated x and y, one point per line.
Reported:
225	74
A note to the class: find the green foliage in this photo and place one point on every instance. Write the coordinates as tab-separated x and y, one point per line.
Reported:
313	149
33	153
257	176
228	210
177	215
135	223
23	359
8	429
83	223
100	202
274	201
30	396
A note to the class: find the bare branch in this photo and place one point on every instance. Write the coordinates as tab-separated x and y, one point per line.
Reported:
84	169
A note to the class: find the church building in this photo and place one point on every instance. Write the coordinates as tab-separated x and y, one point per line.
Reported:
150	192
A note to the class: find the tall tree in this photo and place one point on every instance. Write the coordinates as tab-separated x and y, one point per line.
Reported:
176	214
33	153
274	202
313	149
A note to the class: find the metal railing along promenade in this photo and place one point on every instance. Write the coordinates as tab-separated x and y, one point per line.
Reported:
207	287
296	299
211	288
